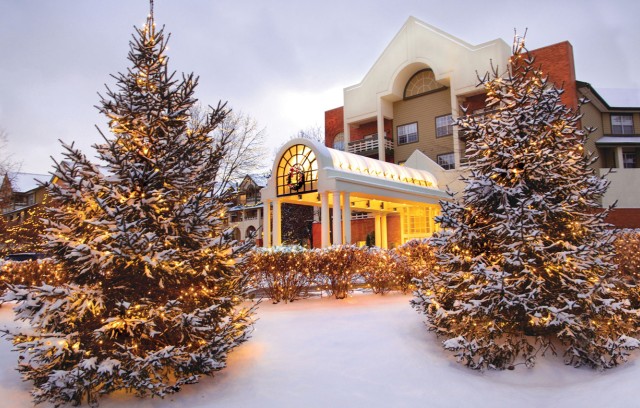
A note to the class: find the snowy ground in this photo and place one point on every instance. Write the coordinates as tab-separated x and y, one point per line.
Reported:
366	351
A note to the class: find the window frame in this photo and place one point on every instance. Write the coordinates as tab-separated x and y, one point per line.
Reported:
339	138
448	127
453	161
622	125
407	141
629	158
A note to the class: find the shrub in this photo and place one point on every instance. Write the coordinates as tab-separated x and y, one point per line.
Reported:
284	273
30	273
338	266
383	270
419	259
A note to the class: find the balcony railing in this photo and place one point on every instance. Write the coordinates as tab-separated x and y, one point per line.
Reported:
367	145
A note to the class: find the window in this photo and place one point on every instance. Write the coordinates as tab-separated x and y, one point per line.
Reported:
408	133
420	83
338	142
447	161
629	160
621	124
444	125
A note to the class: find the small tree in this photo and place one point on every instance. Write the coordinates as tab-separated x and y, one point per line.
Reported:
526	254
153	299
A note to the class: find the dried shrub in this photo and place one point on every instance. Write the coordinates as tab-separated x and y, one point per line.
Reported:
627	256
420	260
284	273
383	270
338	266
31	273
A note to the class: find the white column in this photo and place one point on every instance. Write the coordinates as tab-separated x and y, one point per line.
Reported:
324	219
381	149
266	225
383	231
346	217
277	222
347	135
378	231
259	215
403	211
337	219
619	158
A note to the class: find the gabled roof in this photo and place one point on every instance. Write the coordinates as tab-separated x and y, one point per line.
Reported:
25	182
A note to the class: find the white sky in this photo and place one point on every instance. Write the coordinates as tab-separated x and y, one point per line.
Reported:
282	62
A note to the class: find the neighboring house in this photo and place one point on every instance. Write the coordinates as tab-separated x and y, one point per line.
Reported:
245	213
404	108
21	192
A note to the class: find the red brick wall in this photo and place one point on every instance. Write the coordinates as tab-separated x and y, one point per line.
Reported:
333	124
556	61
625	217
474	102
360	229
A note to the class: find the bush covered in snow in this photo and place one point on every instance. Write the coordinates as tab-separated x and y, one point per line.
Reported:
627	256
418	260
31	273
284	273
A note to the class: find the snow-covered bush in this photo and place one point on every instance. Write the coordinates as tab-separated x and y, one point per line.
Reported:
32	273
152	297
284	273
525	255
627	256
338	266
419	260
383	270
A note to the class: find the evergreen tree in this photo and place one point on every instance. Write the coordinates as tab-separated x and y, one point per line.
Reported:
525	256
153	298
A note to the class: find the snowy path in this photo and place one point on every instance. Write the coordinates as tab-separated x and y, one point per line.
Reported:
366	351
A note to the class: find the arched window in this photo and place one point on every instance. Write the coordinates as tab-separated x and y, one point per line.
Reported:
297	171
338	141
422	82
251	232
235	234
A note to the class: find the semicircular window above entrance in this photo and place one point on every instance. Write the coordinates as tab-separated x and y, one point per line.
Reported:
297	171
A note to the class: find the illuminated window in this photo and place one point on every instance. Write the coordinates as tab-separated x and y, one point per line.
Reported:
338	142
297	171
622	124
447	161
444	125
422	82
408	133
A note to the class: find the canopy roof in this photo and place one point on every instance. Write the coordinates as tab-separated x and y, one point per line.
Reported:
330	170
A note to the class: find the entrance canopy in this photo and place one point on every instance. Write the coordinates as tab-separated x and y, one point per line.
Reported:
308	173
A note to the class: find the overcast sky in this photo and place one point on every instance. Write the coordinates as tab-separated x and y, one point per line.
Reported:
282	62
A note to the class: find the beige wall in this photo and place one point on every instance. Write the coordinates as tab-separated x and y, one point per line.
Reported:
423	110
593	118
606	122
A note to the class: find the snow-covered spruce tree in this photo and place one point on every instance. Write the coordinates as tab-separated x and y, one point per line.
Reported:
153	297
524	262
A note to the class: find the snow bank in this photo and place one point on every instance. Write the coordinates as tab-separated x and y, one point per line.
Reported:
365	351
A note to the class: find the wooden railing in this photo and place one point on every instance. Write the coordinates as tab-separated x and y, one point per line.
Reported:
368	144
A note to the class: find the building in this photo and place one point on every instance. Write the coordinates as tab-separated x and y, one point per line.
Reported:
245	212
403	110
20	192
